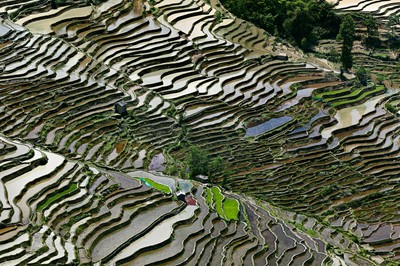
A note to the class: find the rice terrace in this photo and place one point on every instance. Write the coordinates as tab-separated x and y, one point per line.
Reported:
199	132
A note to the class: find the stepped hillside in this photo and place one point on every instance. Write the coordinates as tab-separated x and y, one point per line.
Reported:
380	60
379	9
309	176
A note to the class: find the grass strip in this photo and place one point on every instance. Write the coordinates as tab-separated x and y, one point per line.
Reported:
55	197
163	188
209	197
218	197
361	97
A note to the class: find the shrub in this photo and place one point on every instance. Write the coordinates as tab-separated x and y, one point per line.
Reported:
390	108
218	16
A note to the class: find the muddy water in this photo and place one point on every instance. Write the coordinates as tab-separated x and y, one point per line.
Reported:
139	162
4	30
368	6
374	7
155	102
44	26
3	198
23	203
117	150
70	249
191	88
157	163
300	95
21	150
93	150
25	20
186	25
352	115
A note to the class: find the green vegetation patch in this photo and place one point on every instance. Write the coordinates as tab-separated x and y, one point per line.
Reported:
200	162
163	188
226	208
391	108
310	232
361	96
209	197
346	96
218	198
231	209
191	161
55	197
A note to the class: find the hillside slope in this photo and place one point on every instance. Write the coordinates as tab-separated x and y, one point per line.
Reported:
312	160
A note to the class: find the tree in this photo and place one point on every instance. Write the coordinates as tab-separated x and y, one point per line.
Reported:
298	27
201	163
393	20
372	39
216	166
197	162
347	35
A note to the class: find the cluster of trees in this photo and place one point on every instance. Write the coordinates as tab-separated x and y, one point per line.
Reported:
305	22
372	38
197	162
201	163
302	22
393	20
58	3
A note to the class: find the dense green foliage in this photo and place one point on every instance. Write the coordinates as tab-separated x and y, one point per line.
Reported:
372	38
302	22
393	20
57	3
347	35
201	163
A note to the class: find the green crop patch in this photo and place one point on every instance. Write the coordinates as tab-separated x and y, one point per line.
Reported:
226	208
163	188
231	209
209	197
55	197
361	96
218	198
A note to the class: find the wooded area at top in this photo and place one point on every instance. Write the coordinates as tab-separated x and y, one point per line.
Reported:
302	21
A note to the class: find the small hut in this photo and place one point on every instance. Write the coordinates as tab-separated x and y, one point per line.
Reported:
281	56
181	196
202	178
120	108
